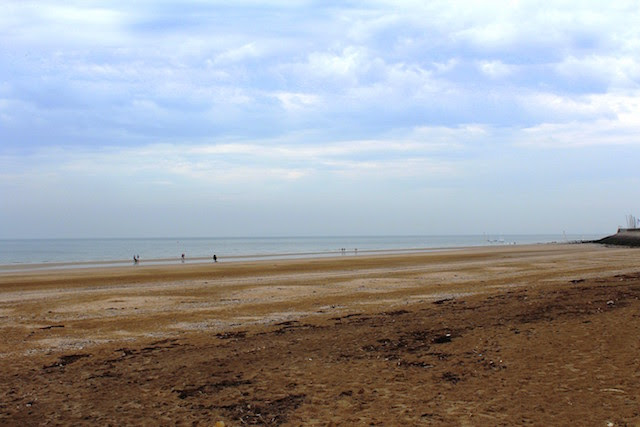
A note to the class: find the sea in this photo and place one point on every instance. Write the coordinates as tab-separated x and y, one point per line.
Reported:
16	254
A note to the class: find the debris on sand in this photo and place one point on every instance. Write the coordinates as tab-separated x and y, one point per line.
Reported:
441	339
66	360
52	327
451	377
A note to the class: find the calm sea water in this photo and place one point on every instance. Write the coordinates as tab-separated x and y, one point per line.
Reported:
23	252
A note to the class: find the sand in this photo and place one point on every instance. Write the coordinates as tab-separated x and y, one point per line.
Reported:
504	335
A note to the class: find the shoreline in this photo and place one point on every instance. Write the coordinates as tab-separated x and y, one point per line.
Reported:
62	253
71	265
206	260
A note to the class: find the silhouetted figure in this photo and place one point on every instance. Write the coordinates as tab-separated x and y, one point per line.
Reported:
182	257
135	259
215	258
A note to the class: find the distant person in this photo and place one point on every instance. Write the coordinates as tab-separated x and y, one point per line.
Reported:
182	257
215	258
135	259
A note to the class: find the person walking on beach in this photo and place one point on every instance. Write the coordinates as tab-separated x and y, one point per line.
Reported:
182	257
215	258
135	259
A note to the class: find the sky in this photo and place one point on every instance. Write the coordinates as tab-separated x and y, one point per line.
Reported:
280	118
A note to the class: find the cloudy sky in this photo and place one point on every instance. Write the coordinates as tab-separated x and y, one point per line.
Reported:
166	118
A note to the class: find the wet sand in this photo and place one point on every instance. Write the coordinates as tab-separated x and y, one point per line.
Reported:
541	334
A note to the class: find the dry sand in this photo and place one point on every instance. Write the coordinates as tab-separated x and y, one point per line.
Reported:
509	335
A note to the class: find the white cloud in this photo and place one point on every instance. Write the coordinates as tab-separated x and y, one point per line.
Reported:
244	52
379	170
348	64
343	64
418	153
451	138
614	71
296	101
444	67
579	135
619	126
362	27
50	23
494	69
618	107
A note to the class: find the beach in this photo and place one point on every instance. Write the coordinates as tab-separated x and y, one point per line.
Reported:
498	335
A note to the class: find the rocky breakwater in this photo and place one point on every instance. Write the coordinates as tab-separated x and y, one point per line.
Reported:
624	237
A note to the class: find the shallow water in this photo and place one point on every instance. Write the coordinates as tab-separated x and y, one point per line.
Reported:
116	251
